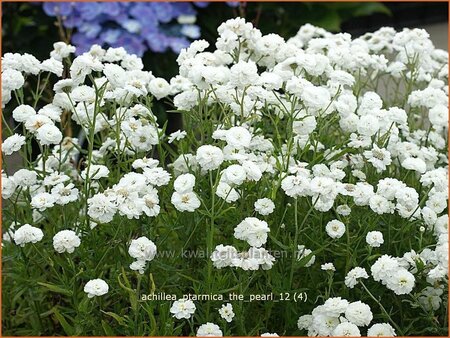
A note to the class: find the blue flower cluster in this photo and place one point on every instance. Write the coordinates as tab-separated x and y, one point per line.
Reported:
136	26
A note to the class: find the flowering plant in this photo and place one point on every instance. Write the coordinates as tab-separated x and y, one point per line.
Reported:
306	193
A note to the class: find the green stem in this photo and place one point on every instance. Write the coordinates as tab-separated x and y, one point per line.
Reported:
210	240
294	258
399	331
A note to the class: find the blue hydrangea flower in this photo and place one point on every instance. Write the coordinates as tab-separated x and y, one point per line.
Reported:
136	26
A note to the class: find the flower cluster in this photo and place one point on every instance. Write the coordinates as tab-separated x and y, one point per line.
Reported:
183	308
184	199
137	27
339	317
96	287
134	195
66	241
143	250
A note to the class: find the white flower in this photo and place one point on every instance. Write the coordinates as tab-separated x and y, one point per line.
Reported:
9	186
343	210
157	176
346	329
209	330
351	279
35	122
53	66
238	137
234	175
51	111
374	239
159	88
438	116
151	206
187	201
243	74
84	65
11	80
145	163
13	144
381	330
132	62
177	136
305	126
264	206
183	308
384	267
379	157
368	125
226	312
380	204
401	282
223	256
296	186
254	173
335	229
429	216
66	241
64	86
328	267
430	297
304	322
264	258
359	313
436	202
6	96
304	252
138	266
101	208
96	287
184	163
142	249
333	306
252	230
49	134
267	334
144	138
209	157
228	193
43	201
184	183
27	234
64	194
61	50
115	54
25	177
315	98
271	80
23	112
96	172
416	164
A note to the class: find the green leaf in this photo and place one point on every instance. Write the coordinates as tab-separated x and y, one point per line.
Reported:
68	329
56	288
188	278
277	242
108	330
83	305
331	21
120	320
369	8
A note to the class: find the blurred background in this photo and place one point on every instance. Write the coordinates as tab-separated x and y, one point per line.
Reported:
157	31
